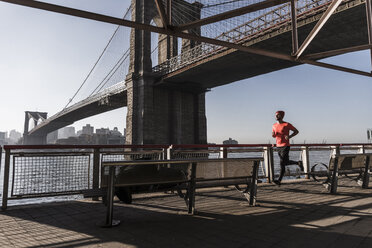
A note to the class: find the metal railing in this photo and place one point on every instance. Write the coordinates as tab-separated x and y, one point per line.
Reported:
53	170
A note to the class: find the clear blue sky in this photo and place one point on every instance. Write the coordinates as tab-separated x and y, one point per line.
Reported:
44	57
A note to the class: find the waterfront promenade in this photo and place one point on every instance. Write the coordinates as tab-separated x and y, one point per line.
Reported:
296	214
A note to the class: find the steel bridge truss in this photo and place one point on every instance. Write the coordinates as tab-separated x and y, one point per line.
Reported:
226	40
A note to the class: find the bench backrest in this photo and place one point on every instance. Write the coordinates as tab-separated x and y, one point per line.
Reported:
227	169
350	161
160	172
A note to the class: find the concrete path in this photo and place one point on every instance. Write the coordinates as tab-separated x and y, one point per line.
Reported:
292	215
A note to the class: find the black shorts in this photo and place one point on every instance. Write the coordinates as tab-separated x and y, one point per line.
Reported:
283	153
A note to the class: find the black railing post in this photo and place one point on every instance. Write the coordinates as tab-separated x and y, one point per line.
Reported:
271	163
96	170
253	185
191	189
1	156
366	172
6	180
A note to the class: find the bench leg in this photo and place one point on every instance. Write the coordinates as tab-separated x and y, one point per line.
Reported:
334	179
252	195
110	201
366	174
191	190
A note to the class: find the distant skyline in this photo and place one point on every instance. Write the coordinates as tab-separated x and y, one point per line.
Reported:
44	57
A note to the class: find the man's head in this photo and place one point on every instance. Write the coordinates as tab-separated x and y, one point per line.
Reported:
279	115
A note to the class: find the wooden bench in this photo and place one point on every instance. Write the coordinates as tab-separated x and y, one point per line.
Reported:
347	164
197	173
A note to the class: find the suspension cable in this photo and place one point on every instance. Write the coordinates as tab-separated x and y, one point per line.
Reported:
96	63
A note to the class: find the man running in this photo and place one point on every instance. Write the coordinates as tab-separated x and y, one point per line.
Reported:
281	133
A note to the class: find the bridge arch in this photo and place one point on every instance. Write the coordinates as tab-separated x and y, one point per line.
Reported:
32	119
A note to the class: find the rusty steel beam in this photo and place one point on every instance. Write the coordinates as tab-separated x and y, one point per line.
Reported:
163	15
327	14
146	27
337	52
294	27
169	11
231	13
369	24
336	67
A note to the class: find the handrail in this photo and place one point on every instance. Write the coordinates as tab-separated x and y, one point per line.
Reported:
164	146
176	161
189	152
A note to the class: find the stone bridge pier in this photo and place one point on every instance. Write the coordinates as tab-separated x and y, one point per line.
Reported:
29	139
160	115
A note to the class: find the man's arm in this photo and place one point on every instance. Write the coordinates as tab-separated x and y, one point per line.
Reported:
295	132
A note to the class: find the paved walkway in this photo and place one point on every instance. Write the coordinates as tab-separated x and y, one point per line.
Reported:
293	215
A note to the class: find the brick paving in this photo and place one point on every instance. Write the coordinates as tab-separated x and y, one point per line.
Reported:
297	214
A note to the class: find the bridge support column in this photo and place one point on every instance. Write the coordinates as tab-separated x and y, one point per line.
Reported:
159	115
164	116
39	139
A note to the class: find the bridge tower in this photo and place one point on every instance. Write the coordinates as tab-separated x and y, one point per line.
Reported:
29	139
159	115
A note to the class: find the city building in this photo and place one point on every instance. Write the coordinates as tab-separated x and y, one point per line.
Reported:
369	135
86	136
102	131
66	132
230	141
3	137
87	130
14	136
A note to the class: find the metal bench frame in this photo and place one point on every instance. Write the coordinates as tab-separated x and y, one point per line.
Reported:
191	183
339	168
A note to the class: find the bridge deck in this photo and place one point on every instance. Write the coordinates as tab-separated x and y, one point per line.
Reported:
344	29
293	215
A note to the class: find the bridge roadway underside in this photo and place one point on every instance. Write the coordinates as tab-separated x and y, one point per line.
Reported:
90	109
344	29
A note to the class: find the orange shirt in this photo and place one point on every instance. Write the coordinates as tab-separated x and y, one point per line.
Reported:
280	131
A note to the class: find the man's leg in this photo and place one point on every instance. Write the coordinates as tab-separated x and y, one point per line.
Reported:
281	155
284	160
290	162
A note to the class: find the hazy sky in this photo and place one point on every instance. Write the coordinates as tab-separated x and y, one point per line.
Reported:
44	57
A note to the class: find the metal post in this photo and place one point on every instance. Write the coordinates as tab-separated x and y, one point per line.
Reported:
267	162
361	149
334	180
223	154
6	179
335	150
253	186
191	189
369	24
169	152
1	156
110	200
96	169
367	167
271	164
306	160
294	27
